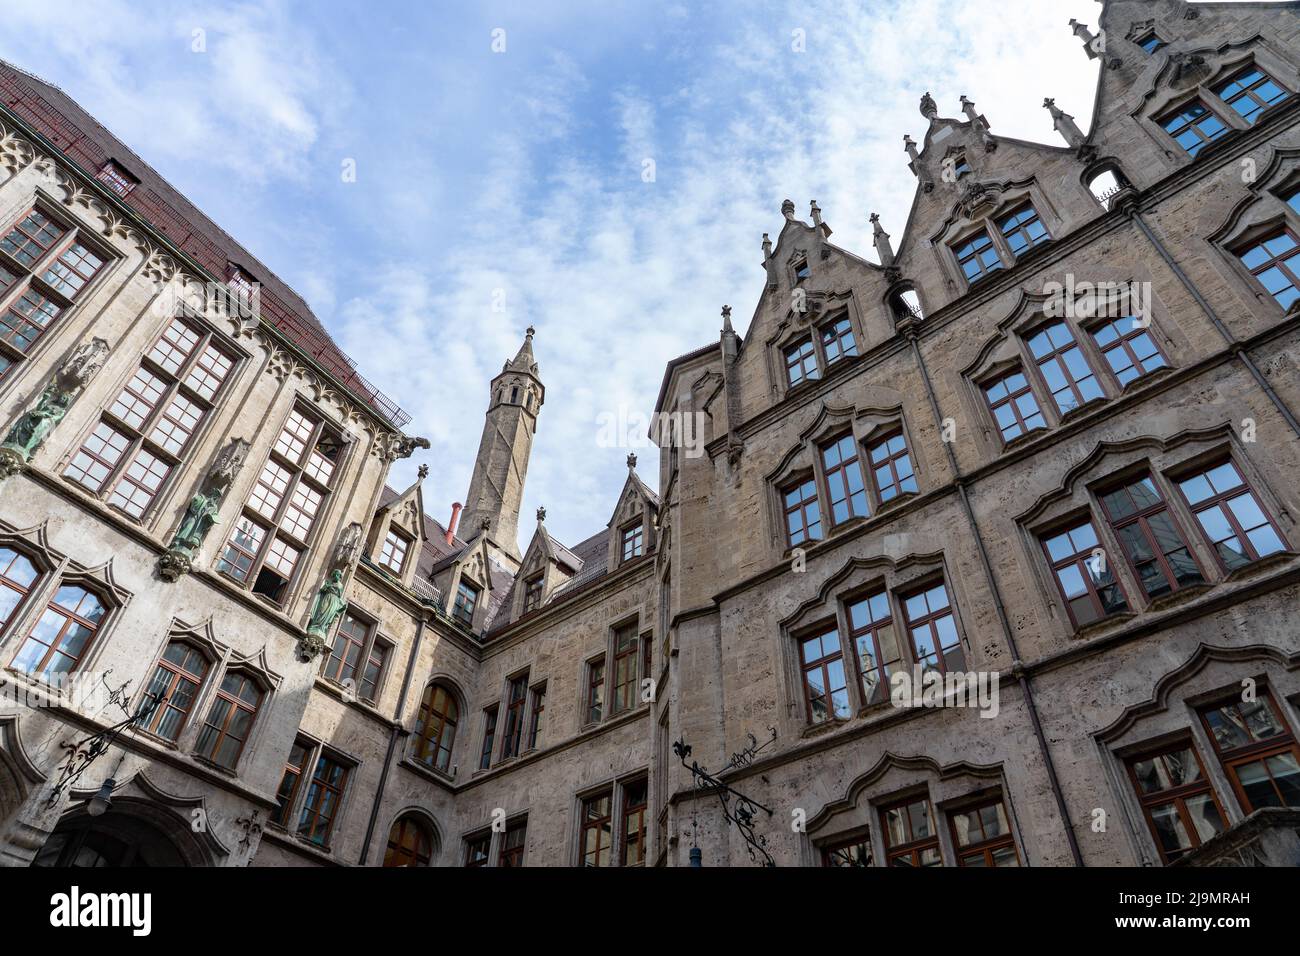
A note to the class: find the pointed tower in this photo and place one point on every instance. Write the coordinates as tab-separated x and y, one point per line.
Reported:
496	489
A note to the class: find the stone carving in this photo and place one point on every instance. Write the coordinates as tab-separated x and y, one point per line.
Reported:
929	108
35	425
325	612
201	514
349	546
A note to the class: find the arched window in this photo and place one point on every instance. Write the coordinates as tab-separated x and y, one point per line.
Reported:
1105	181
410	842
436	729
229	720
905	302
16	576
63	633
176	680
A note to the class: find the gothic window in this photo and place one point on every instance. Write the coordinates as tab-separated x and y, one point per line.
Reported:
1232	520
435	727
1250	92
1014	407
478	849
855	852
290	779
324	794
516	702
910	835
44	268
1151	43
837	340
1150	537
489	737
393	553
357	658
803	517
144	433
1064	368
801	362
597	836
17	574
1275	263
871	628
278	521
625	664
826	693
229	720
933	629
801	270
1176	798
891	467
512	844
633	545
466	601
847	492
410	842
982	836
116	178
1128	348
537	717
595	698
1083	574
632	843
60	637
1023	229
977	257
1192	126
1257	750
176	681
533	593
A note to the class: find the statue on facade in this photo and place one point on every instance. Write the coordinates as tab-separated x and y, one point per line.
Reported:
34	426
325	611
202	512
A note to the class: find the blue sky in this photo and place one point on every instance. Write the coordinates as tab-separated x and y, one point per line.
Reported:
516	177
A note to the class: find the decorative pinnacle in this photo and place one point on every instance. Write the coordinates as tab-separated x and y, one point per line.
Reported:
530	332
968	107
929	108
631	462
787	209
726	326
541	515
422	472
767	246
816	213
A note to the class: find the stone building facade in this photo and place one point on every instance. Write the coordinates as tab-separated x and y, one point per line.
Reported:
986	553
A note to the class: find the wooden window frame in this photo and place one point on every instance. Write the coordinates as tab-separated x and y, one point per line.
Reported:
1232	759
533	588
478	843
70	617
594	687
836	332
463	611
842	468
513	856
801	508
632	540
826	633
1020	229
490	715
1279	262
1124	341
516	706
1174	795
1010	400
1141	517
796	356
929	620
1055	356
638	812
389	550
870	632
222	732
1220	500
600	825
398	849
275	527
913	847
1169	121
1248	92
339	674
294	773
24	592
536	715
176	673
1077	560
837	849
625	664
427	717
987	846
968	249
116	178
890	461
317	834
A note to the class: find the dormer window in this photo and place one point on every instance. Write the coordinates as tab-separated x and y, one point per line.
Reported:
1193	126
1023	229
801	363
533	593
959	166
241	283
1151	43
633	542
1250	93
801	270
116	178
977	257
837	340
393	554
466	600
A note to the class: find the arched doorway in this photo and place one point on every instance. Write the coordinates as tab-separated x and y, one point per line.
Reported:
133	833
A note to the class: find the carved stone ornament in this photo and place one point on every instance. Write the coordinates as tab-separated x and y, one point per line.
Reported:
201	514
35	425
325	611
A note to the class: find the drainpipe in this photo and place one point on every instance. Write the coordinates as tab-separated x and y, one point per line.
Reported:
392	741
1017	667
1223	330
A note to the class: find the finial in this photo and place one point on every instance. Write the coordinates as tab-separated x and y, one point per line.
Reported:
541	515
1083	33
530	332
968	107
767	246
881	240
1064	124
422	472
631	462
909	144
485	523
816	213
726	321
787	209
929	108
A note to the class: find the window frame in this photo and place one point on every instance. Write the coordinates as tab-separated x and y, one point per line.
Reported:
209	756
536	715
423	727
516	708
424	837
366	647
1220	87
1219	500
841	467
386	554
599	824
1141	517
883	437
1166	119
795	357
1278	262
594	687
70	617
280	816
113	175
459	607
632	541
824	633
490	720
1002	379
1174	795
798	486
177	673
913	846
324	756
1055	355
1021	228
970	242
1067	527
1231	759
639	811
533	589
1124	341
987	846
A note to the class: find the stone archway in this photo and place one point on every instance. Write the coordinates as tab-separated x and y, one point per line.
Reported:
133	833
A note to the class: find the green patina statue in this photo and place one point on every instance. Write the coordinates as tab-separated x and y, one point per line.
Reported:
37	423
199	517
329	606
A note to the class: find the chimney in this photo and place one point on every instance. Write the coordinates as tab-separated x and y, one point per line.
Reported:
451	525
